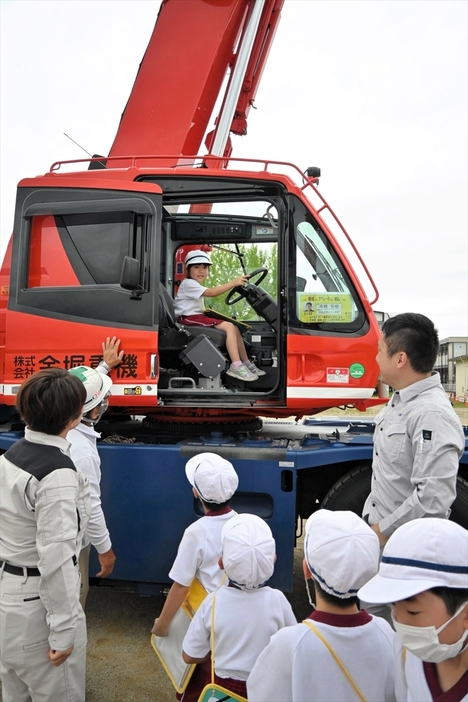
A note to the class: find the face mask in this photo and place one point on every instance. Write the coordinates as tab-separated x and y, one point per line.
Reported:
103	406
423	641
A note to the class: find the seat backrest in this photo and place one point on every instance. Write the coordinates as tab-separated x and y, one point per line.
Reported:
168	322
166	310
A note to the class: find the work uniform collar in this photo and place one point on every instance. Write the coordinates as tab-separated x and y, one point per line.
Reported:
411	391
88	430
38	437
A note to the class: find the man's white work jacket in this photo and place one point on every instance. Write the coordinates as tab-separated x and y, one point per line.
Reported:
85	456
44	509
418	441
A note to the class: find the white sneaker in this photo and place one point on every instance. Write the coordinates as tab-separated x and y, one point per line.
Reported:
241	373
253	369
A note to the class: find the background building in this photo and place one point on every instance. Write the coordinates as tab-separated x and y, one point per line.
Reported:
445	365
461	378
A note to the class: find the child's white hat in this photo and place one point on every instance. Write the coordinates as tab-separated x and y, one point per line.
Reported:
212	476
248	551
197	256
420	555
341	551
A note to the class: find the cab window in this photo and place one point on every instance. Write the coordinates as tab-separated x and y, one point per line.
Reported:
324	297
83	249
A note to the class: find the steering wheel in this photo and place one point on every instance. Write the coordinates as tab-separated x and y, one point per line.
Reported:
239	292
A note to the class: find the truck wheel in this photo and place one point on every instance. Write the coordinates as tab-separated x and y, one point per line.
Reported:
351	491
460	506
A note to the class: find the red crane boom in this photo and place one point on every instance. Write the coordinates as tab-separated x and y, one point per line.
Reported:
171	104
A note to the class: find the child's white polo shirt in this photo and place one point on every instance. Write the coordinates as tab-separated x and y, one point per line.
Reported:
189	298
244	622
199	552
297	666
418	681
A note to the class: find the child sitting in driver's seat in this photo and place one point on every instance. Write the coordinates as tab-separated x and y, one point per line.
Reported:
190	310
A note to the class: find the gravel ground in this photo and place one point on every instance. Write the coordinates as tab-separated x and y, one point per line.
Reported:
461	411
122	666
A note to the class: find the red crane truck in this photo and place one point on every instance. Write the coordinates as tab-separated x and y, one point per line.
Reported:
98	249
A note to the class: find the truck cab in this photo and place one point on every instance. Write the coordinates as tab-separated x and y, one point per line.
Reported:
102	254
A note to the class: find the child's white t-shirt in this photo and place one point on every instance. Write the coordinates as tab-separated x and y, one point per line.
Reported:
189	298
413	685
199	552
296	666
244	622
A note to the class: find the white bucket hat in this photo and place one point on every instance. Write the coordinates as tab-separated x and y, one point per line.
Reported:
341	551
248	551
197	256
213	477
420	555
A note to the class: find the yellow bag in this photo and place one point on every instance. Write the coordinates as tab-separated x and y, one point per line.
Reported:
216	693
213	692
195	596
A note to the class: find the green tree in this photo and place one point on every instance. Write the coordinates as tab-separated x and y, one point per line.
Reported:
227	266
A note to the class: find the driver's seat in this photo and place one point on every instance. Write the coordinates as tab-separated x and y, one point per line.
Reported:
173	337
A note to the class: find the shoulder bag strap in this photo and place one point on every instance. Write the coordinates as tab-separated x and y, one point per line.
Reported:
337	659
212	638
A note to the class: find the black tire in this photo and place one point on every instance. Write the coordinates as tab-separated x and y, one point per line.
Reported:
351	491
460	506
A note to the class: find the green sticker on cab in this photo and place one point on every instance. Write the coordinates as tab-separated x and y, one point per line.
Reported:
357	370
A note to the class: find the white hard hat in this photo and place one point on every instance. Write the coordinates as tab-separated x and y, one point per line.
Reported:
197	256
97	385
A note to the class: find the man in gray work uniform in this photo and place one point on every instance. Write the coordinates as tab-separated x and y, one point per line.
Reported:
418	437
44	510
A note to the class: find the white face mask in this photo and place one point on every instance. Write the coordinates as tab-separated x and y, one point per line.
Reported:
423	641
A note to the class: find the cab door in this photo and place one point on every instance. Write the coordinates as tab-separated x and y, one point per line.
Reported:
71	238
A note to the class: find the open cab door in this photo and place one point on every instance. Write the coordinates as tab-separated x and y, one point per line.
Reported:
240	224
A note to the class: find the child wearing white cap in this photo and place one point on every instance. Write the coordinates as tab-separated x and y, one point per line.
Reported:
214	481
338	654
190	309
247	612
424	572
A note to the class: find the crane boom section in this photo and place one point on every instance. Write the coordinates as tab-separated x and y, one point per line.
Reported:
170	104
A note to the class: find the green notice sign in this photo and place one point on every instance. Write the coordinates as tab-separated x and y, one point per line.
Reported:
357	370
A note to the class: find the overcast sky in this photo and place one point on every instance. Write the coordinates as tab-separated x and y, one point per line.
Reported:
373	92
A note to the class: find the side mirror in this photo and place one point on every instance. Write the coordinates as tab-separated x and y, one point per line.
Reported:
130	277
300	283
